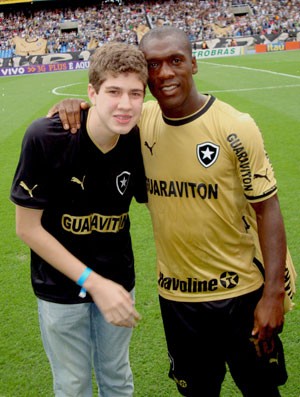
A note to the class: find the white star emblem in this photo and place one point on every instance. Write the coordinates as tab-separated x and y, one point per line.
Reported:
207	153
123	182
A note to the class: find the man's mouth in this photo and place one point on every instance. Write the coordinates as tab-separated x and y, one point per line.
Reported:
169	88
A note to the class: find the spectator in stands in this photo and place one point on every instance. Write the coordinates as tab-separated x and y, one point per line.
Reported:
104	22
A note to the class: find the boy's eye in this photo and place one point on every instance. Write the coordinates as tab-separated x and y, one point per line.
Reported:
113	92
137	94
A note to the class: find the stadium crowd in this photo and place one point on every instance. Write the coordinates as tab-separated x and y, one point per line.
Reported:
106	21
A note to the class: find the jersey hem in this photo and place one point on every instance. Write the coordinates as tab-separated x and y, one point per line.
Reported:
211	297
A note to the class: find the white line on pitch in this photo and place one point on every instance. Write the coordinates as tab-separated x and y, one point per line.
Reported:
254	70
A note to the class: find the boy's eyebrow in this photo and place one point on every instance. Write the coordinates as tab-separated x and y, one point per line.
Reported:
112	86
120	88
137	89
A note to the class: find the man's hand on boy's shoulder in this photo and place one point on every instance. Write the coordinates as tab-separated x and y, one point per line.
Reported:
69	112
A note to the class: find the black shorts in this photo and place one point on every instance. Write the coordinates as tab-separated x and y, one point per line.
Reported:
203	337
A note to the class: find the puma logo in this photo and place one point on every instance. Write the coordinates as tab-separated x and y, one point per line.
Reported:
262	176
150	147
78	181
25	187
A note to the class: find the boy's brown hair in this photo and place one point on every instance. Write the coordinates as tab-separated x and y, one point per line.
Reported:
115	58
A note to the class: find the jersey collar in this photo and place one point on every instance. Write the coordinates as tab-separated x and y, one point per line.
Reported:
192	117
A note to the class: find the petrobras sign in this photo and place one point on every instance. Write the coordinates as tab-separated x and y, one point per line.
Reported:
218	52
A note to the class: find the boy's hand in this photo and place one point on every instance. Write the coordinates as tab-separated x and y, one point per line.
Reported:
114	302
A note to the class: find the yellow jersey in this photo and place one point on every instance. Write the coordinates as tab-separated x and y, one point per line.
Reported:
202	172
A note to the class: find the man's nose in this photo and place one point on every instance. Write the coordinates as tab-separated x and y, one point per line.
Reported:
166	70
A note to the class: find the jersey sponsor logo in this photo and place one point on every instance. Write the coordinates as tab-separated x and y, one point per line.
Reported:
228	280
149	147
243	159
122	181
207	153
28	189
78	181
182	189
94	223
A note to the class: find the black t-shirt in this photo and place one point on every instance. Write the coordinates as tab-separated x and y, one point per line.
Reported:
85	195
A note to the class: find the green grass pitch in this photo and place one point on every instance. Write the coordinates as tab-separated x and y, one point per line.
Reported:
265	85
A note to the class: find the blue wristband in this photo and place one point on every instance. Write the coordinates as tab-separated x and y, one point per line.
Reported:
87	271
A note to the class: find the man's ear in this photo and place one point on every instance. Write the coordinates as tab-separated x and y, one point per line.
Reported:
194	65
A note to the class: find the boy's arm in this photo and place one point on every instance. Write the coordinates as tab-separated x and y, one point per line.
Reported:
112	299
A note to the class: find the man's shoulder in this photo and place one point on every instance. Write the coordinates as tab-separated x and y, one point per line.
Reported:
230	112
151	111
151	106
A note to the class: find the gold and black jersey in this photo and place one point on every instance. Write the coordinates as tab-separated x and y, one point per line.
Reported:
202	172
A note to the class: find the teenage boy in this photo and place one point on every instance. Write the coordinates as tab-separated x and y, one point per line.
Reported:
72	196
